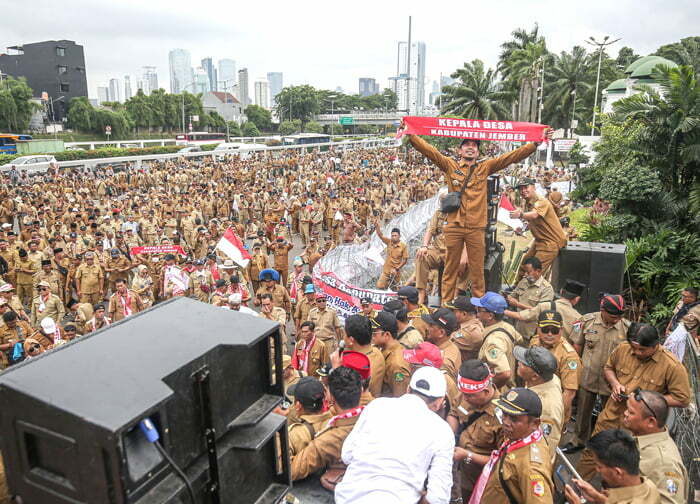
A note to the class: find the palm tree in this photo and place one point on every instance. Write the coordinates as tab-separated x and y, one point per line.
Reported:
569	75
476	94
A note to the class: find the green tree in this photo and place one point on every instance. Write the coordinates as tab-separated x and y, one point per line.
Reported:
234	129
685	52
625	57
16	107
476	94
313	127
578	156
139	110
569	76
249	129
262	118
297	102
287	128
80	114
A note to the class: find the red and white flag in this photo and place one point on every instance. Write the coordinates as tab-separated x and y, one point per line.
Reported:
231	245
504	209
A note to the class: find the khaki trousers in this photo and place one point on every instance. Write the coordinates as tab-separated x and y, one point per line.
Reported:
455	240
546	252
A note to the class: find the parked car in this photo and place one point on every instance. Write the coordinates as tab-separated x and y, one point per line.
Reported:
130	146
33	165
191	148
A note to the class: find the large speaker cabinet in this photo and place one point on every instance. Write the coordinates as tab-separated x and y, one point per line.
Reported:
204	376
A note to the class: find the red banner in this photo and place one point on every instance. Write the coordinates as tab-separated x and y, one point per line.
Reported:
476	129
345	298
158	249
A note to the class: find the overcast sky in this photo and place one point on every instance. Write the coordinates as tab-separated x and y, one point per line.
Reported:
329	44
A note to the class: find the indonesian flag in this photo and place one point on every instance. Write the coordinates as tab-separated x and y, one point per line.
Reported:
231	245
504	209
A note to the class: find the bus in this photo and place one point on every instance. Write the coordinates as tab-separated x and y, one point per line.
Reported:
200	138
8	142
306	138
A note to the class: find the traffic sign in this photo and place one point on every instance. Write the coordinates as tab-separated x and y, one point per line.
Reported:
346	121
108	129
564	144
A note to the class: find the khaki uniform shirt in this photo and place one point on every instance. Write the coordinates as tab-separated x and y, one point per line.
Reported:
484	434
303	430
570	316
53	278
532	295
472	211
546	227
326	323
691	320
414	318
397	372
116	308
278	315
396	253
451	358
302	309
497	349
53	307
646	493
660	463
90	278
528	473
324	450
469	338
552	417
570	367
280	296
318	355
598	342
410	337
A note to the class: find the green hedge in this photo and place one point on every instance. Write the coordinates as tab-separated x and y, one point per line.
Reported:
75	155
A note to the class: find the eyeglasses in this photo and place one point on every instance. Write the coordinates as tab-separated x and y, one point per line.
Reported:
35	347
320	300
550	330
43	288
639	398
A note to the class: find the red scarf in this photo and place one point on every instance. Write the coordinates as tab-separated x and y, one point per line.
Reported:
305	356
348	414
214	271
495	457
294	287
126	303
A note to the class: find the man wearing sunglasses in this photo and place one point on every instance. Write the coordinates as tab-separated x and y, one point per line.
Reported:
660	462
639	362
46	304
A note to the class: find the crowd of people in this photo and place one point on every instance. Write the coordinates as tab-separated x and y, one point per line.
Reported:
463	402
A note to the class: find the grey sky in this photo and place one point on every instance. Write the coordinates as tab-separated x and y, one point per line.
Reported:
329	44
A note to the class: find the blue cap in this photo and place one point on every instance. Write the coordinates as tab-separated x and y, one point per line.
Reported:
492	301
309	289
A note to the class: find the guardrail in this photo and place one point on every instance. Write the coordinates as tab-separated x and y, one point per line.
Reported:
362	116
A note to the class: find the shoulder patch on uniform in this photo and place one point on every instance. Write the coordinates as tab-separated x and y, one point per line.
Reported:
537	488
546	429
535	454
493	353
672	486
572	364
399	377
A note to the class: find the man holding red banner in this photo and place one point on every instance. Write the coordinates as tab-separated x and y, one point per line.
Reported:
466	226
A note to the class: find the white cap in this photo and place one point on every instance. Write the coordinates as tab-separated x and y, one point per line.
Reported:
7	225
429	381
235	298
6	287
48	325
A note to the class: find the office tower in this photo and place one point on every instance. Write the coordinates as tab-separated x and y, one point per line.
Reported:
368	86
150	79
102	94
208	66
274	79
226	75
115	94
127	88
180	71
244	97
262	93
409	83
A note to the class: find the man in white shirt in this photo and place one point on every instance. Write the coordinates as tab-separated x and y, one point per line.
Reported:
396	444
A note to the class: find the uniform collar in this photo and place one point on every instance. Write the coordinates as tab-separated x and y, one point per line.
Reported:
652	439
627	493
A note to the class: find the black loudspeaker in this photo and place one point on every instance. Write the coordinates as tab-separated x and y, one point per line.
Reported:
69	419
601	266
492	203
493	268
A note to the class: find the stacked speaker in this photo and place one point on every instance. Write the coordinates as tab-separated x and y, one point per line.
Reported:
493	262
204	378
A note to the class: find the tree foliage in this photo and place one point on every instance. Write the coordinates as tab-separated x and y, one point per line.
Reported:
475	94
261	117
16	109
249	129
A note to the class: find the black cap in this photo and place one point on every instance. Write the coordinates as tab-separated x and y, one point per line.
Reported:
462	303
385	321
409	292
308	391
366	300
169	257
525	181
45	262
442	317
574	287
520	401
550	318
539	359
220	283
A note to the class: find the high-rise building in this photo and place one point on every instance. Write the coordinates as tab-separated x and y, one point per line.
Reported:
102	94
180	71
127	88
150	79
208	66
55	67
409	83
262	93
276	85
201	81
368	86
226	75
115	94
244	97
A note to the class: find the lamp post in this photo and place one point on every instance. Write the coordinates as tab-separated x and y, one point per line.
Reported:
601	46
573	112
182	94
541	104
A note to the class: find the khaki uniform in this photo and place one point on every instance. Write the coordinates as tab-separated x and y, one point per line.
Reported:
497	349
278	315
396	254
527	472
257	263
410	337
280	296
552	417
116	307
646	493
451	358
302	432
52	278
52	307
467	224
434	257
25	287
91	278
83	313
397	372
416	320
327	323
597	341
324	450
547	231
280	252
570	316
199	279
661	464
532	295
570	367
469	338
122	266
691	320
377	368
318	355
302	309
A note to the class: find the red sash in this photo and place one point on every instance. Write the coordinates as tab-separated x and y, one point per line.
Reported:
348	414
305	356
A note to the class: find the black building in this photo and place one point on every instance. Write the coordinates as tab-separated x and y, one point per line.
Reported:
55	67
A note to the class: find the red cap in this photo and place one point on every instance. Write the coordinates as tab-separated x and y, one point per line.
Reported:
320	295
425	354
358	362
280	237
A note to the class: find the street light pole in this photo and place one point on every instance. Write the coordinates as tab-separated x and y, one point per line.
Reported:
573	113
601	46
541	105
